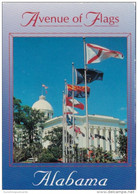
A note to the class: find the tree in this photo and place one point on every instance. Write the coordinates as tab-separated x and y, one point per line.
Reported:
122	140
17	151
55	139
46	156
29	123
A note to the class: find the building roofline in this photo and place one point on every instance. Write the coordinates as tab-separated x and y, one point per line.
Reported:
91	117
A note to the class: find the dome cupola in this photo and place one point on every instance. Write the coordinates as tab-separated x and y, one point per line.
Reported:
43	106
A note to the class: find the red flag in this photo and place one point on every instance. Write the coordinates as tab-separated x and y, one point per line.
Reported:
77	104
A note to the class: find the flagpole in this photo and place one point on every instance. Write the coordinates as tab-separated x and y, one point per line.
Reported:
86	101
73	159
42	90
63	131
65	126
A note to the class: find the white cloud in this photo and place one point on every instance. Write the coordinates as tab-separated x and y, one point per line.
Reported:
123	108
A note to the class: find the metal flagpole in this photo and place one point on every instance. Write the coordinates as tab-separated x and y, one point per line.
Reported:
86	101
73	112
65	126
63	131
42	90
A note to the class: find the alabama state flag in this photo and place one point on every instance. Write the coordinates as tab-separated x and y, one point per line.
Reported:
96	54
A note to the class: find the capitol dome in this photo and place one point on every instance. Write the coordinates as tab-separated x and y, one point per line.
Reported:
43	106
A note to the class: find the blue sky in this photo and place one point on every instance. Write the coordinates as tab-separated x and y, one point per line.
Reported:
48	61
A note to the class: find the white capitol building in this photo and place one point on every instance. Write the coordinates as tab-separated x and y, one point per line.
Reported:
103	130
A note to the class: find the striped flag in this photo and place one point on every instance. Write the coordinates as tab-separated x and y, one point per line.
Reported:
96	54
79	91
77	104
69	110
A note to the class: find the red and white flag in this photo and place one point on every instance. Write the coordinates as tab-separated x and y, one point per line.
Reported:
77	104
69	110
44	86
96	54
76	129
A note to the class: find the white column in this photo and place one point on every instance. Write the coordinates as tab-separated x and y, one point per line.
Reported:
107	141
104	141
117	135
95	139
113	139
101	140
92	136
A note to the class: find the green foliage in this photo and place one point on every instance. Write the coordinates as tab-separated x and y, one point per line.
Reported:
18	154
100	156
55	138
46	156
28	126
122	140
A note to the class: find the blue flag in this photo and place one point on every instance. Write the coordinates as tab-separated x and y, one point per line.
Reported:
69	119
91	75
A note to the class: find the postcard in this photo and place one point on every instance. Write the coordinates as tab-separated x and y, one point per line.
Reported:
69	96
